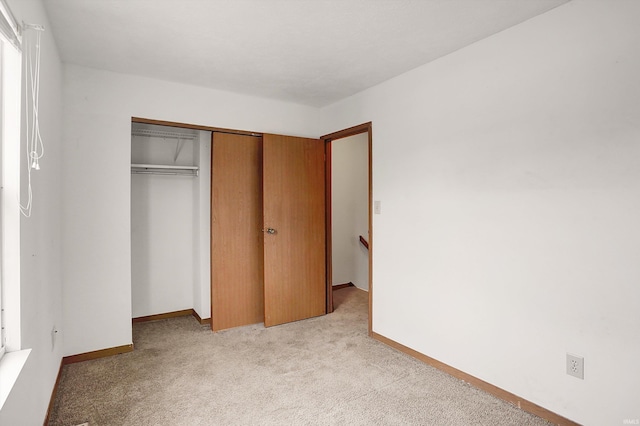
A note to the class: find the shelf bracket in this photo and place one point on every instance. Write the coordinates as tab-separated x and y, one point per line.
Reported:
179	145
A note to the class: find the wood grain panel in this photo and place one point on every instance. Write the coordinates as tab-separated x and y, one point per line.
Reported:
102	353
173	314
192	126
54	392
294	205
328	173
165	315
236	236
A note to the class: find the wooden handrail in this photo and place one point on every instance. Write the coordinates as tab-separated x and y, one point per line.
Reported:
364	242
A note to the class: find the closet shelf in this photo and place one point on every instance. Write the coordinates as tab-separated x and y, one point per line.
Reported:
163	169
180	137
163	134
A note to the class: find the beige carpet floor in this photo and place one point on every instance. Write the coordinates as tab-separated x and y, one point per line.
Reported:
322	371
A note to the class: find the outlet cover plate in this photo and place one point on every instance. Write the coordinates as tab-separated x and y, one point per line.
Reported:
575	366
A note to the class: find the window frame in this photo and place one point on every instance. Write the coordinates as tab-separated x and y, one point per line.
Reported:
10	148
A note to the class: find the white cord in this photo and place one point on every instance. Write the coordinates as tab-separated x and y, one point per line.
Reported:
35	146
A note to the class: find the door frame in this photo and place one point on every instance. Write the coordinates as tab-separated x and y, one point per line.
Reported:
328	140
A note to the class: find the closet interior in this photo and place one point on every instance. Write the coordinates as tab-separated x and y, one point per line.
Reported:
170	198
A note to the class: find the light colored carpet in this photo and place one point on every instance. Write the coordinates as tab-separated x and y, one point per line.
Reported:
322	371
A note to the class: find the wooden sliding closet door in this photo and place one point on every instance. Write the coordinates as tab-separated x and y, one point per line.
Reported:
237	296
294	220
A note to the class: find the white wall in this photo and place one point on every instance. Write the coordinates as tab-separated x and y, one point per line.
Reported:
202	232
350	210
41	275
510	181
98	106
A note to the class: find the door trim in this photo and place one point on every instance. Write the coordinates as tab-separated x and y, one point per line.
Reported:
328	139
193	126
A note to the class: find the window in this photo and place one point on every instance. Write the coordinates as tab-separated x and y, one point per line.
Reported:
11	85
10	97
12	357
2	338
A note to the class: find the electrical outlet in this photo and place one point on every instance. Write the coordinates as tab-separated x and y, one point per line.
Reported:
54	335
575	366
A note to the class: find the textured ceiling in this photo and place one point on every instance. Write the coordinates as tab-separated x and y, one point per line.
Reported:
312	52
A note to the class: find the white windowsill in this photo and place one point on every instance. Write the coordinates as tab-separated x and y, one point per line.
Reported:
10	366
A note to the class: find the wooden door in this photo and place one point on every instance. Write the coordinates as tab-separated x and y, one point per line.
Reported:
294	208
236	236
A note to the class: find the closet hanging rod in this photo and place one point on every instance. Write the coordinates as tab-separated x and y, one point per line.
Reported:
164	173
253	135
162	169
163	166
163	134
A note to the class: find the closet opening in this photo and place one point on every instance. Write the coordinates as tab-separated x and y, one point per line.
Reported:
170	190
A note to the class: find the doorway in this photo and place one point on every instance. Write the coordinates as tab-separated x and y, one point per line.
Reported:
356	246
